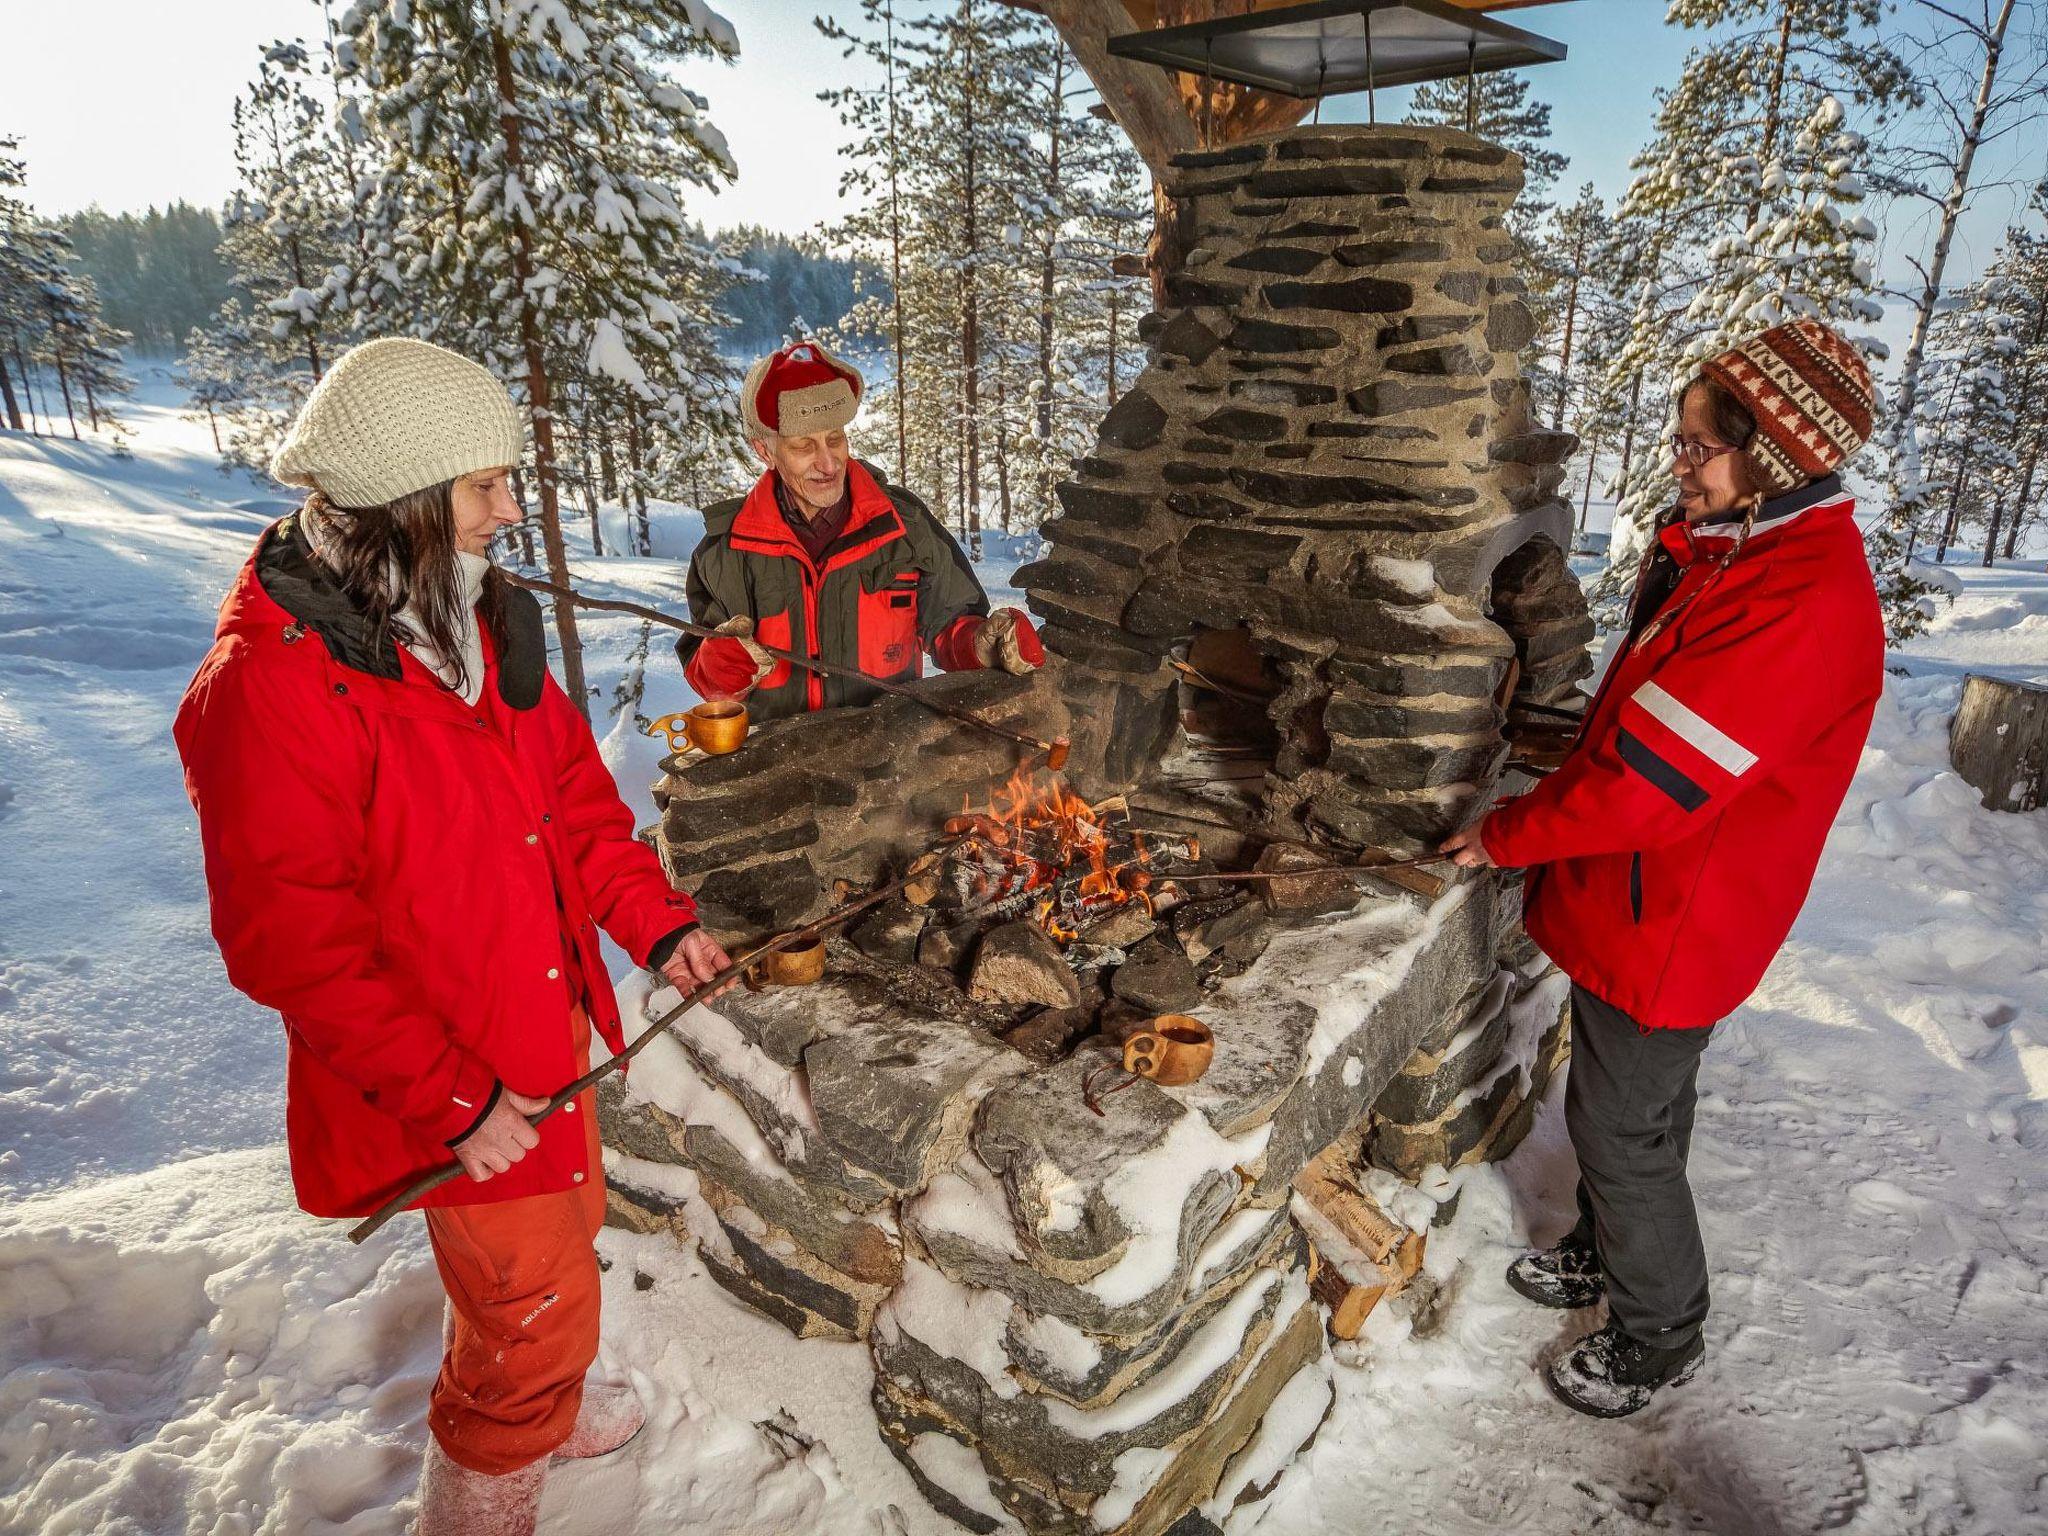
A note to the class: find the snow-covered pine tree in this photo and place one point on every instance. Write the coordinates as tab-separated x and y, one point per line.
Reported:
874	160
2020	273
1498	108
533	155
290	237
1984	91
210	379
1968	439
1739	152
969	90
1085	211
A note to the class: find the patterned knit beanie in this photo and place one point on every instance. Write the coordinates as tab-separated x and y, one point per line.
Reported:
797	391
1808	391
396	416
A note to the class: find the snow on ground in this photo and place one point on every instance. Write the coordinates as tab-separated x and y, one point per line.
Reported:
180	1350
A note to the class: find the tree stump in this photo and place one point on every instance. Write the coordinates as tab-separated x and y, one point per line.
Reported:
1999	742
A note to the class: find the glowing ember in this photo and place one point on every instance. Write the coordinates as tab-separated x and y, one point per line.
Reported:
1040	850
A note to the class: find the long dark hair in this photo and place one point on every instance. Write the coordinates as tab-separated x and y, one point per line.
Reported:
1732	424
402	554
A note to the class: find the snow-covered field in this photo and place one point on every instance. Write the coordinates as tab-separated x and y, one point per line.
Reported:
181	1351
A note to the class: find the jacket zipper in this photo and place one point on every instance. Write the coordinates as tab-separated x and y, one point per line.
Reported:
1635	886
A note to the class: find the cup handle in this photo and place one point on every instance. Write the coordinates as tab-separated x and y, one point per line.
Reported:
1141	1053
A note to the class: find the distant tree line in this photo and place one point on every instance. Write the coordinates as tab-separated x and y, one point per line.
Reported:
159	273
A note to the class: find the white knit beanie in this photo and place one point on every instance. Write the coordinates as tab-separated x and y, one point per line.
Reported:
395	416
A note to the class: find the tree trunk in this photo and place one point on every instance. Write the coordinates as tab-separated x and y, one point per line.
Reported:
213	422
635	440
1571	316
1951	214
583	469
64	383
896	252
1586	496
1998	742
1953	520
1002	451
970	323
1773	103
1628	433
1991	528
28	389
7	397
1045	270
1113	306
537	393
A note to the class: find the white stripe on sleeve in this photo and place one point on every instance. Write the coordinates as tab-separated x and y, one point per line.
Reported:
1701	735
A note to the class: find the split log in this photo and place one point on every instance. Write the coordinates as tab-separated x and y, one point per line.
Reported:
1999	742
1392	1255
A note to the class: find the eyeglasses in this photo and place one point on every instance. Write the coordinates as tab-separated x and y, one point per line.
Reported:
1695	453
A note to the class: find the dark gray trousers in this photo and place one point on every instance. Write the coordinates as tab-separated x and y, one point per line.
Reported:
1628	1105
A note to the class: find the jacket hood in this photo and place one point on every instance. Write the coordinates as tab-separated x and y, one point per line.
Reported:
283	584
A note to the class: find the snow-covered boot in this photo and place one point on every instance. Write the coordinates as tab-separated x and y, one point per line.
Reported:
455	1501
1565	1276
1610	1375
610	1416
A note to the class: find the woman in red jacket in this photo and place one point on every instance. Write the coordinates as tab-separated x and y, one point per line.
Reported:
411	844
1670	853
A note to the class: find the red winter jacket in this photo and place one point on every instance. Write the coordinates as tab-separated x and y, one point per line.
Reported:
393	871
1677	842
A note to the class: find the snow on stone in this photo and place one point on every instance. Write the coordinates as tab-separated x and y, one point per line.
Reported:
957	1322
958	1470
671	1182
1417	578
663	1074
1242	1230
967	1200
1286	1425
1136	1470
1065	1349
1216	1344
1149	1192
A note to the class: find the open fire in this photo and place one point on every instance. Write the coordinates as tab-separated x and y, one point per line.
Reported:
1042	852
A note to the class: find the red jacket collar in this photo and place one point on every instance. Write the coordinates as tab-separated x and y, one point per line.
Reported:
759	527
1807	508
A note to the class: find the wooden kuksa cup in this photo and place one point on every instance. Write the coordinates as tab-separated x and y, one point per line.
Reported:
717	726
1172	1051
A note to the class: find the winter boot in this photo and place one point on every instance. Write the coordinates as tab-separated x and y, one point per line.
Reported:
455	1501
610	1416
1565	1276
1610	1375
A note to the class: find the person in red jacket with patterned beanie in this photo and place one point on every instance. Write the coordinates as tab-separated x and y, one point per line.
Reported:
1670	853
824	558
411	845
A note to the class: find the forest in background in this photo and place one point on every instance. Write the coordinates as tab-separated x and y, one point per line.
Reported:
519	192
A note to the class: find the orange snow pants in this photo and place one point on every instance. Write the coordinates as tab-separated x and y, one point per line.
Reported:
522	1283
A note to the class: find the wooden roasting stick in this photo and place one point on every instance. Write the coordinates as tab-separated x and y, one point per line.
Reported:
426	1183
1055	750
1406	873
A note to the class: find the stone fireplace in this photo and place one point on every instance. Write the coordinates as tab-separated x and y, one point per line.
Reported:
1297	596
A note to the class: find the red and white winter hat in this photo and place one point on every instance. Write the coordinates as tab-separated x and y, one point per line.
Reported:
1808	391
797	391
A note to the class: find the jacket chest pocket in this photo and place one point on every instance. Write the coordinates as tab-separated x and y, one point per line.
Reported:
887	625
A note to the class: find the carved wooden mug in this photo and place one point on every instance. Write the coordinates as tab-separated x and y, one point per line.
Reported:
715	727
1172	1051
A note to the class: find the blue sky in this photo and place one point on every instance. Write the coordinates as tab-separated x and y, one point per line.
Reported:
126	102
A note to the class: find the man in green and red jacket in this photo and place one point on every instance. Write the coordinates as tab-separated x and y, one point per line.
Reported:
824	559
